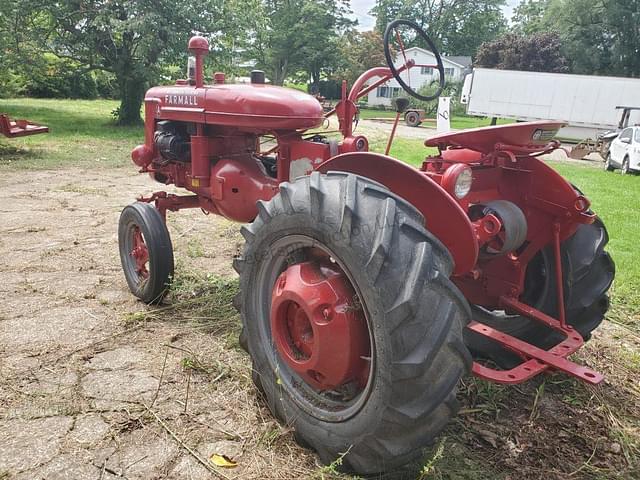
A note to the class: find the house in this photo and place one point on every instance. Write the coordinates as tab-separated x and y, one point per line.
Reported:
455	69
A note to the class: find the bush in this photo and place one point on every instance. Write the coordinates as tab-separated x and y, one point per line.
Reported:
11	84
60	78
106	84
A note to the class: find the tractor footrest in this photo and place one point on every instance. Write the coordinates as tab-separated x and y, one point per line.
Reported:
19	128
539	360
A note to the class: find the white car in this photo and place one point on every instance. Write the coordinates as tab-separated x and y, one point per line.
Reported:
624	152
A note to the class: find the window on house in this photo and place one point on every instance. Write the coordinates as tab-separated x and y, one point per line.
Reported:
387	92
426	71
381	92
449	72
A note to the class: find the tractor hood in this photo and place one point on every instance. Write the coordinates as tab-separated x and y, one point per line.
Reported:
252	107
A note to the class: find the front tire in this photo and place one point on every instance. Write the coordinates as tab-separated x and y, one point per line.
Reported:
146	252
414	319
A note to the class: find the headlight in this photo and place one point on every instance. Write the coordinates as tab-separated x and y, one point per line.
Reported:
463	183
457	180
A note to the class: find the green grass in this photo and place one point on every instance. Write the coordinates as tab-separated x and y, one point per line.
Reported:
411	151
368	113
81	133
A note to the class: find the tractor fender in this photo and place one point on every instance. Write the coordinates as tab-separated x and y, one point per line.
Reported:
444	217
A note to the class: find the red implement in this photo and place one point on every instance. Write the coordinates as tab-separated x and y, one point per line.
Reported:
19	128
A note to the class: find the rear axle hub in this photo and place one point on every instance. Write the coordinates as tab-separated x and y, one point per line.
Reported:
318	328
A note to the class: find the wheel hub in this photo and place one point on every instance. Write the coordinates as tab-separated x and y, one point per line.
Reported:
318	328
140	253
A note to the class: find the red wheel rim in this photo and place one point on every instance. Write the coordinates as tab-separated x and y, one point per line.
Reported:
140	253
319	329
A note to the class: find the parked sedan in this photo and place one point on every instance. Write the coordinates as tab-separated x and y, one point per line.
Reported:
624	152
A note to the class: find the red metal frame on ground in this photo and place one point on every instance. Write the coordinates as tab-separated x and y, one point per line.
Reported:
19	128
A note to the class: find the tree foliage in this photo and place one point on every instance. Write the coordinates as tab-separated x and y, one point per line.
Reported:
129	38
458	27
601	37
539	52
359	51
292	35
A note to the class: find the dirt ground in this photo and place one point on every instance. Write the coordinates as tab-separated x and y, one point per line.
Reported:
79	384
88	391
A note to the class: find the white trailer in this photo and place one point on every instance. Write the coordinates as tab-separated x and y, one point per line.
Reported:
586	103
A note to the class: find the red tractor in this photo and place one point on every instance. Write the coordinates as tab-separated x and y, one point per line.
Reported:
369	288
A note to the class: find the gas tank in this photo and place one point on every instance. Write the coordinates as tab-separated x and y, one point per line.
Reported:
252	107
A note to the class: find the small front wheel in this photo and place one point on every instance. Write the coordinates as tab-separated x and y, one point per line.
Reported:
146	252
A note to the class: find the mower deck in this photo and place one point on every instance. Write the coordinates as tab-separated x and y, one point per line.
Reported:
19	128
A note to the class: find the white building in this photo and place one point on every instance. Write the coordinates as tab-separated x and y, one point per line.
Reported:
455	69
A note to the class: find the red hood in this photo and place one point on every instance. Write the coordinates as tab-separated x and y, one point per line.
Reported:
253	106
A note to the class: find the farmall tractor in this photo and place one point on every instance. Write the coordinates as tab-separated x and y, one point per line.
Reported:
369	288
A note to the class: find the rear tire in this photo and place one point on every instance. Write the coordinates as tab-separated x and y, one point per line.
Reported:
148	282
414	314
588	274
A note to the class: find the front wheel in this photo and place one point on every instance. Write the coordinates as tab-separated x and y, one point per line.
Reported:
352	324
146	252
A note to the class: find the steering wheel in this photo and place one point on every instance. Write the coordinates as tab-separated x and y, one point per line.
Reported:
391	33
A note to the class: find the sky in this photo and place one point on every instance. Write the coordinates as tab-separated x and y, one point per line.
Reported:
365	21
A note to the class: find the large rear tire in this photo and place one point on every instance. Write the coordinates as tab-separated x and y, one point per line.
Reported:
588	274
414	319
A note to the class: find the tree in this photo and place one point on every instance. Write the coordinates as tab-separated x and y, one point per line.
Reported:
539	52
325	21
359	51
297	34
129	38
457	27
529	16
465	28
623	20
597	37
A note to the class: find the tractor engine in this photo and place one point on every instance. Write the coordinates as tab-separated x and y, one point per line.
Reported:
172	140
